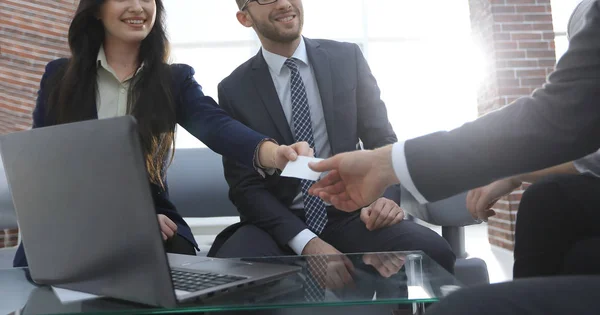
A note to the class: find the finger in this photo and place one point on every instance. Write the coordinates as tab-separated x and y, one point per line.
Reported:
337	188
337	198
377	261
489	213
400	259
345	276
385	209
289	153
340	202
395	261
372	260
326	165
334	281
349	265
483	203
374	213
311	153
344	204
164	236
399	217
302	148
382	269
391	216
472	205
165	229
170	224
330	179
470	196
364	214
391	268
493	202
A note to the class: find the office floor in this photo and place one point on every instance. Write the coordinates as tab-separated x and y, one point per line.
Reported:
499	261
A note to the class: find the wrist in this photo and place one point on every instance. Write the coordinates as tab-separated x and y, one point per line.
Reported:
309	249
266	154
383	162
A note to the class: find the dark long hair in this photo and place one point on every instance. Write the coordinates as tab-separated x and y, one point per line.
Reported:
74	88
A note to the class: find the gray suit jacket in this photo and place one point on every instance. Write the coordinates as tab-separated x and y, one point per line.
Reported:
353	111
559	122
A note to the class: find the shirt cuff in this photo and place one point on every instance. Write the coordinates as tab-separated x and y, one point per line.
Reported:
401	169
263	171
299	241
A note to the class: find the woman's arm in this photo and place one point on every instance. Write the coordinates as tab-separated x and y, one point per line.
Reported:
203	118
480	200
566	168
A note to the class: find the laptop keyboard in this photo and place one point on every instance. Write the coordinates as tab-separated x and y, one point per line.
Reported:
196	281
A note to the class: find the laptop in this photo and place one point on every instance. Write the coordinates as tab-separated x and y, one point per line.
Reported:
88	222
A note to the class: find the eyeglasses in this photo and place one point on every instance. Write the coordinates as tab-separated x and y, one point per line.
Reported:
261	2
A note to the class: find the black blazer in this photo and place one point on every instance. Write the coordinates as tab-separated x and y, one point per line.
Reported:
559	122
197	113
353	111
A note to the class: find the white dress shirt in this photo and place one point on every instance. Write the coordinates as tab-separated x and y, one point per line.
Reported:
281	75
113	94
401	169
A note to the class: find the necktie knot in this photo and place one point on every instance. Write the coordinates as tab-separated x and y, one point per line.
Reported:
291	63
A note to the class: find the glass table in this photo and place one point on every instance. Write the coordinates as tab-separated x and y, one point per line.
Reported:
400	282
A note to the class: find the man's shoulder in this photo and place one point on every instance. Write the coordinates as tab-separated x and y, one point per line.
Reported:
329	44
240	73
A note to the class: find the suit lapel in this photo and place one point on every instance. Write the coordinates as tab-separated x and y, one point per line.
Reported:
320	64
266	89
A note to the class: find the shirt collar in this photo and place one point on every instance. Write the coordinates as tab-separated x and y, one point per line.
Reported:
103	63
276	62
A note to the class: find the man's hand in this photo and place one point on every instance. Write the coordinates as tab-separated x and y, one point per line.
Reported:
480	200
327	265
387	264
168	228
317	246
356	179
272	155
381	213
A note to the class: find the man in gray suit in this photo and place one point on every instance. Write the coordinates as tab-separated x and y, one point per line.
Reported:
322	92
557	123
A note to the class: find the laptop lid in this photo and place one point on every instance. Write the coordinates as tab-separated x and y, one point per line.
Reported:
85	210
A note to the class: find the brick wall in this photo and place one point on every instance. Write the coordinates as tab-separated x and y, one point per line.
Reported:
518	38
32	33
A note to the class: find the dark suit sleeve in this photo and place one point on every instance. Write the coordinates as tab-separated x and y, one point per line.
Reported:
374	128
203	118
39	115
248	191
557	123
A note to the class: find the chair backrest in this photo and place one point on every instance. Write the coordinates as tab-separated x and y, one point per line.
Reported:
197	185
8	218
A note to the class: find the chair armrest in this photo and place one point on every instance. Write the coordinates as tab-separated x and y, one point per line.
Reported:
210	226
206	229
447	212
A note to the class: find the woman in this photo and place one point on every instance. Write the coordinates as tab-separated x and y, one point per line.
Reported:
119	66
557	231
